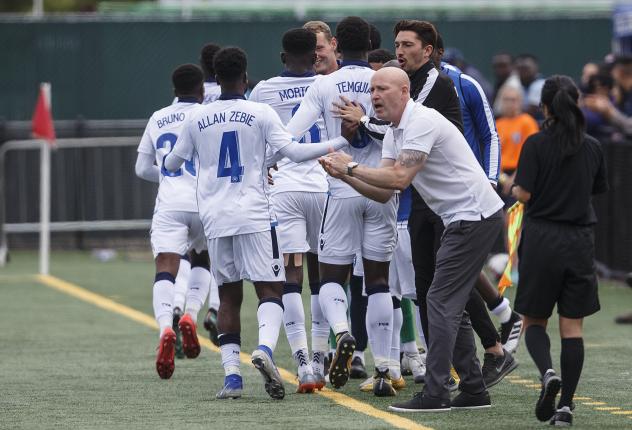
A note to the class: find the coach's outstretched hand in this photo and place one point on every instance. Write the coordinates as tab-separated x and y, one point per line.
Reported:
336	163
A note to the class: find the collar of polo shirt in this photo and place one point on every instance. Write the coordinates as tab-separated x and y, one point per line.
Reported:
410	105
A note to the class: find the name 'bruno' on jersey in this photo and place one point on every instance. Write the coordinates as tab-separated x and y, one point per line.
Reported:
284	94
231	139
177	189
352	80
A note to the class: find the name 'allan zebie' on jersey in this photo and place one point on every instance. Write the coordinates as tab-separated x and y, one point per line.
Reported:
284	94
231	138
352	80
176	191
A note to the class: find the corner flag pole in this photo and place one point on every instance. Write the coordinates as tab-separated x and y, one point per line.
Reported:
43	128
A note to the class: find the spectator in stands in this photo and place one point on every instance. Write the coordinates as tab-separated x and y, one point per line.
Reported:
504	76
532	82
455	57
598	124
378	57
622	91
588	71
514	126
616	108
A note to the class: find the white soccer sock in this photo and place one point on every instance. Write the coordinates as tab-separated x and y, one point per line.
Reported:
333	302
230	358
270	318
503	311
320	336
180	287
379	326
409	347
163	302
197	291
420	330
213	294
294	323
398	320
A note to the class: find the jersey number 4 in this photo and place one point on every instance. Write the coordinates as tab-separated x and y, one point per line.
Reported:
170	140
229	161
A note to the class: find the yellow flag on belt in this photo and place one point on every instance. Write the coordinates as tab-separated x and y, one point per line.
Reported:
514	227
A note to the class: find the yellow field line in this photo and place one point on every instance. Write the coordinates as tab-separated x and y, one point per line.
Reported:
621	413
144	319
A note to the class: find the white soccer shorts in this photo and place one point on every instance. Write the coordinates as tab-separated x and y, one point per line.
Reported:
358	265
176	232
252	256
401	274
299	215
357	225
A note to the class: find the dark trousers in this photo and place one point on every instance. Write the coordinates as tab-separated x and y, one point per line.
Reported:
460	258
426	229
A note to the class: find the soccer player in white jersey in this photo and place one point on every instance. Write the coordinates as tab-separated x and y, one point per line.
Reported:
351	222
298	196
212	90
211	93
231	138
176	224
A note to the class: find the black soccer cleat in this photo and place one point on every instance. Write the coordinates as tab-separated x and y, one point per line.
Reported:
210	324
563	417
545	407
358	371
510	333
177	314
341	361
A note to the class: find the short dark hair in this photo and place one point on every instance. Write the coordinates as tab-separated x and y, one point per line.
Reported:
439	42
380	56
230	64
426	32
375	37
187	78
353	34
523	57
298	41
206	59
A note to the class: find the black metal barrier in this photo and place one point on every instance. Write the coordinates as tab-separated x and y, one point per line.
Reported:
613	233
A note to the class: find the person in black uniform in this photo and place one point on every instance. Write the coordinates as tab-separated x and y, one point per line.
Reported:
559	170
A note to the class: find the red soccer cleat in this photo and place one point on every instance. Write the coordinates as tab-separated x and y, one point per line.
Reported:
166	354
190	342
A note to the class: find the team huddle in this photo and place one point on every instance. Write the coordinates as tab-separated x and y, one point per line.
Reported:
322	166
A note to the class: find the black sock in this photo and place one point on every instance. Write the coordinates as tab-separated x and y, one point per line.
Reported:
357	313
571	363
539	347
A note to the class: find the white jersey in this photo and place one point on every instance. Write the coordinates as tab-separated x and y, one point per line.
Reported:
212	92
284	94
352	80
177	190
231	137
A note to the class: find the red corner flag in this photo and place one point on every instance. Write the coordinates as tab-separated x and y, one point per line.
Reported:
42	116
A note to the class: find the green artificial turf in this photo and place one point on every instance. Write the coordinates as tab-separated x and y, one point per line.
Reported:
65	363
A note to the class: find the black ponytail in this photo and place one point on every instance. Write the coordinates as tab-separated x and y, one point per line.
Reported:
566	121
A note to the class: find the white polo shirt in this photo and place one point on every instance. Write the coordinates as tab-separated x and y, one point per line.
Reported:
451	182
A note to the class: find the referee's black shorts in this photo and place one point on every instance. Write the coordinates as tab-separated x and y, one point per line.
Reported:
556	266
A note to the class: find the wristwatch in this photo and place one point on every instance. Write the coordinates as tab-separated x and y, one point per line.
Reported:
364	120
350	166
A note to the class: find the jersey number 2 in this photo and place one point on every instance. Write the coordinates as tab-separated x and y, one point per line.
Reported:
170	139
229	161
